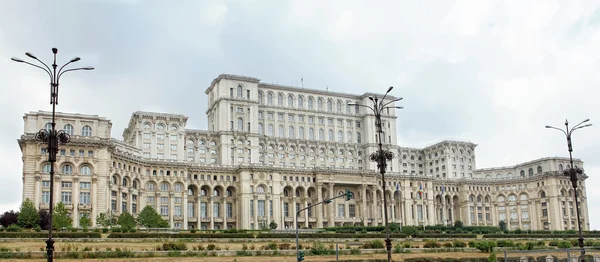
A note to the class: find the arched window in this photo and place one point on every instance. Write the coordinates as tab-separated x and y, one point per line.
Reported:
270	130
290	101
46	168
329	106
340	136
229	192
543	194
291	132
522	173
67	169
280	132
270	99
202	192
310	103
322	134
339	107
48	126
260	97
68	128
531	172
85	171
240	91
124	182
539	169
478	198
280	100
150	186
358	138
114	180
523	197
471	198
500	199
190	192
301	132
300	102
560	167
320	104
164	186
86	131
512	198
311	133
260	190
330	135
240	124
349	136
260	129
160	126
135	184
215	192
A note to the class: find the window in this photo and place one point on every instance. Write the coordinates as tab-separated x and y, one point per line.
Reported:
300	102
311	134
340	136
164	187
290	101
68	128
85	170
216	209
240	91
270	130
270	98
67	169
229	210
65	197
45	197
86	131
330	135
291	132
280	132
190	209
48	127
301	132
341	210
46	168
260	97
240	124
310	103
260	129
329	106
164	210
280	100
84	197
173	137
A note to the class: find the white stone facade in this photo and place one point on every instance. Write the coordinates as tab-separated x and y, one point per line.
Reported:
272	149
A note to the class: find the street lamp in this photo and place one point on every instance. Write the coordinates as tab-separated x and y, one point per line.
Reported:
382	156
52	137
573	173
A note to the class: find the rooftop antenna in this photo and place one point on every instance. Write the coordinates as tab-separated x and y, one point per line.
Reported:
327	88
302	81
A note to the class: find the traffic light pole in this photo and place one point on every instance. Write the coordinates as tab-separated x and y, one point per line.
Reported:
348	196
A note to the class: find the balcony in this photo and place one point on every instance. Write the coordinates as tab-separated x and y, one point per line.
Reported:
85	207
262	218
205	219
178	218
231	220
301	219
192	219
289	219
218	219
312	219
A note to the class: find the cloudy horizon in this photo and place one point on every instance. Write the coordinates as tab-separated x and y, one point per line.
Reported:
491	72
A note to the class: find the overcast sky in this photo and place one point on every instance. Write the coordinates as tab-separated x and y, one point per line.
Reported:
494	73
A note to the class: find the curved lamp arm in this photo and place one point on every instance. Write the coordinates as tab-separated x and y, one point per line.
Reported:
35	57
564	132
25	62
73	69
579	127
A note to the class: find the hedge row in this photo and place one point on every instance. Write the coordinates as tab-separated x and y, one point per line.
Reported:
247	235
539	236
45	235
445	235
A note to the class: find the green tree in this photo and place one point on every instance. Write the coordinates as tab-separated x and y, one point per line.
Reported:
502	225
273	225
84	221
458	224
61	217
149	218
105	220
28	215
126	221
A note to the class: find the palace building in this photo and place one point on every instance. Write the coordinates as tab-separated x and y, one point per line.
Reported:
270	150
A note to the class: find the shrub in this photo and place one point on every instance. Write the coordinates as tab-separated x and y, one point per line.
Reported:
564	244
45	235
458	243
432	244
170	246
37	228
13	228
485	245
193	230
282	246
211	247
105	230
375	244
492	257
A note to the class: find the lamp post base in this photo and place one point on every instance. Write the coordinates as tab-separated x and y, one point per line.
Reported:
50	249
388	246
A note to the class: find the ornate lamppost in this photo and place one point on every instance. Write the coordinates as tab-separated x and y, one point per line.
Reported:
382	156
51	136
573	173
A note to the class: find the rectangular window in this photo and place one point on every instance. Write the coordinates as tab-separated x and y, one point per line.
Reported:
173	146
216	209
46	184
251	207
203	210
81	153
341	210
229	210
164	210
66	197
173	137
178	211
146	135
133	208
90	153
261	208
286	211
352	210
190	209
45	197
271	206
84	197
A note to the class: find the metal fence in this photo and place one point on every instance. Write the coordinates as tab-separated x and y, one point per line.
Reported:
592	254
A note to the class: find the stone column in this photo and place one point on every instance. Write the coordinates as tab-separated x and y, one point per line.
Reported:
171	209
211	213
94	200
255	212
332	207
75	200
319	207
306	212
363	193
37	192
224	212
184	210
